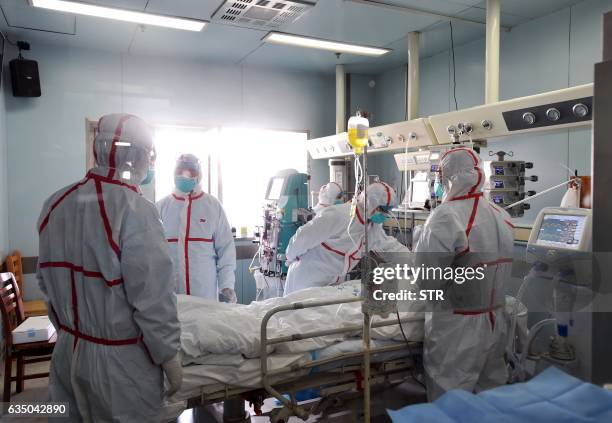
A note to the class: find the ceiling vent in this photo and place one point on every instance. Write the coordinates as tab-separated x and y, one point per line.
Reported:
261	14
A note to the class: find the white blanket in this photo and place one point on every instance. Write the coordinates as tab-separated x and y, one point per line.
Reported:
209	327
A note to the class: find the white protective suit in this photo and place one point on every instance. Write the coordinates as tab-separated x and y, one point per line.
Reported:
201	243
322	252
328	195
105	269
465	335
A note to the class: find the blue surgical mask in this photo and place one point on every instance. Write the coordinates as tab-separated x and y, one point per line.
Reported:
438	189
339	202
184	184
149	177
378	217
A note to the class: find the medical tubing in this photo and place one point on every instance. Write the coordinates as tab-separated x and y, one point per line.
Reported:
354	202
258	255
533	333
528	278
397	223
406	195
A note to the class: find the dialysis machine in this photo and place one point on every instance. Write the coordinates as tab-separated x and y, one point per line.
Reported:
285	210
505	182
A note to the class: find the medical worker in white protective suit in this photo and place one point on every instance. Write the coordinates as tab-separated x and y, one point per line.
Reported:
105	269
199	236
465	335
329	195
322	252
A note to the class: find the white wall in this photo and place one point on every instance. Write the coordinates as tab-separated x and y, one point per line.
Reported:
552	52
46	135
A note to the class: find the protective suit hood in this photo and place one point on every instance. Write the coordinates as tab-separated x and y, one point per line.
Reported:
191	162
124	145
328	195
380	194
461	173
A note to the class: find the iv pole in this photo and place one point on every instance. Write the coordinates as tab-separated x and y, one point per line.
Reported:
367	318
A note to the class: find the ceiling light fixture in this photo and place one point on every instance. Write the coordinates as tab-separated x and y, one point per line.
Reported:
317	43
120	14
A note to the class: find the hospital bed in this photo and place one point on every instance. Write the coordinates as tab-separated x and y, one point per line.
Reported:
326	361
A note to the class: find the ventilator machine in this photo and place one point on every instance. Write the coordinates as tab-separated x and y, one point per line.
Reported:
559	250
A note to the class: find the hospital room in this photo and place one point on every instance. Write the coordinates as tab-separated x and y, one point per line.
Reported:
284	211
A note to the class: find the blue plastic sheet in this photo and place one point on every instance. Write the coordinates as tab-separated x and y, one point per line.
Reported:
552	396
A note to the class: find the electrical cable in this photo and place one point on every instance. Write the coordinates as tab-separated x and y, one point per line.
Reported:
5	37
452	40
399	322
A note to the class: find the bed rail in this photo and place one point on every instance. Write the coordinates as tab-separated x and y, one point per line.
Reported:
266	374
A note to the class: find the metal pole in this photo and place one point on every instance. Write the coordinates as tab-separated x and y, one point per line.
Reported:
364	291
340	99
412	91
492	52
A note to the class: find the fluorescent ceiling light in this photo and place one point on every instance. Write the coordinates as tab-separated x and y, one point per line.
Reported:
335	46
120	14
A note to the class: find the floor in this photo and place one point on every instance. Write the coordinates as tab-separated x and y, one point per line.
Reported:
35	390
345	409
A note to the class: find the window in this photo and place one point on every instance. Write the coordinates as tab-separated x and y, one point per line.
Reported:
237	164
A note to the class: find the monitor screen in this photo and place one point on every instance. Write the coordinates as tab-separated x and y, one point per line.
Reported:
562	231
419	192
499	184
499	170
275	189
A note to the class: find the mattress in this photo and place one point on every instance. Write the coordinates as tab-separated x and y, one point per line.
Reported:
209	327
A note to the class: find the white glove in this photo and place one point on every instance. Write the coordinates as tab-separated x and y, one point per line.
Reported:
173	370
230	294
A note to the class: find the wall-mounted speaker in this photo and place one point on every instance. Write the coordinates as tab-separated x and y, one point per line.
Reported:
24	78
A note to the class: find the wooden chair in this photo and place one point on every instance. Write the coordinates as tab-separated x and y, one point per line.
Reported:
11	307
30	308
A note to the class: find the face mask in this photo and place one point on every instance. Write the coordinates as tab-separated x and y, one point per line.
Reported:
378	217
149	177
339	202
438	189
184	184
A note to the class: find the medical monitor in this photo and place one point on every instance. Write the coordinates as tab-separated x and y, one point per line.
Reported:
559	231
419	190
276	188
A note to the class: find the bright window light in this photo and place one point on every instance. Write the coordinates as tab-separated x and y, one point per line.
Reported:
237	164
251	158
335	46
120	14
170	143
